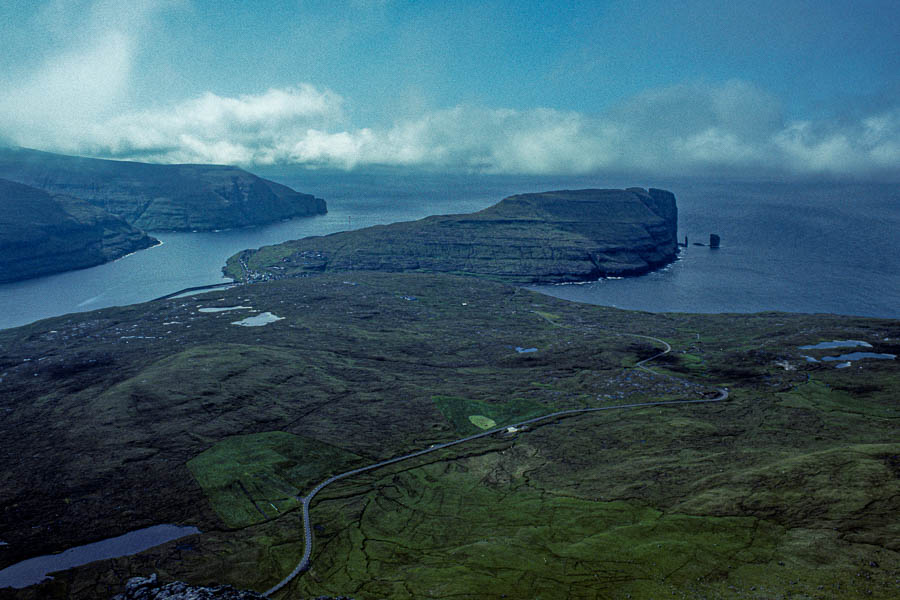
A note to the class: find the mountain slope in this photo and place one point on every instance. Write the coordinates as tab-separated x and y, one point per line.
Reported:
161	197
42	234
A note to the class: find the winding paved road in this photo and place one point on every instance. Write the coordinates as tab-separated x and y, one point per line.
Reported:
307	530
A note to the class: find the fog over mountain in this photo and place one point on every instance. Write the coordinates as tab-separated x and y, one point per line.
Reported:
571	89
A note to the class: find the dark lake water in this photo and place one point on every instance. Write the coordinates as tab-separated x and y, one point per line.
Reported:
798	247
34	570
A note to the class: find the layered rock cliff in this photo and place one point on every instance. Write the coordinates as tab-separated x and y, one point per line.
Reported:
42	233
161	197
529	238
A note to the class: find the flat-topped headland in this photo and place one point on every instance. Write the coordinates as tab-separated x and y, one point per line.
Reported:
548	237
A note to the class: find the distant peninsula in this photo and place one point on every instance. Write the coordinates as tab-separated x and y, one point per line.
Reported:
42	233
156	197
549	237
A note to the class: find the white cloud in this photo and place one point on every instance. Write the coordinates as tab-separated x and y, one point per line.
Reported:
80	100
247	129
680	129
85	82
70	90
871	144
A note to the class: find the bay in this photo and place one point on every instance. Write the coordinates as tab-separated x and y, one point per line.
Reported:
790	246
795	247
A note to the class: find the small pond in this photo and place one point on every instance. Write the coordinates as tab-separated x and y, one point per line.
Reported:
258	320
213	309
859	356
837	344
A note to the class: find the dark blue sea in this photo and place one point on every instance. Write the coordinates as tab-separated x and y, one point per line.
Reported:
823	247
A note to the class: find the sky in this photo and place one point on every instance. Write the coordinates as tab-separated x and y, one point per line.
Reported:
790	87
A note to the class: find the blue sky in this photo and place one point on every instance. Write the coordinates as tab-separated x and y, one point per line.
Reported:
527	87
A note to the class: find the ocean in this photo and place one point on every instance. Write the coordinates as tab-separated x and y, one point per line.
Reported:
809	247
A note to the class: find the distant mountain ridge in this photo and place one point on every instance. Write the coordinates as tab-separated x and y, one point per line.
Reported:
549	237
42	233
156	197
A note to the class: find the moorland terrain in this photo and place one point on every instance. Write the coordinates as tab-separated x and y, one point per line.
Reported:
170	412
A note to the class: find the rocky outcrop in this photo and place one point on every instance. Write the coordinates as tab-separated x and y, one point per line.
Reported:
161	197
42	233
529	238
147	588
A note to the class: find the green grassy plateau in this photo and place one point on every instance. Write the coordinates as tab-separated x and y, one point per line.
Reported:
158	413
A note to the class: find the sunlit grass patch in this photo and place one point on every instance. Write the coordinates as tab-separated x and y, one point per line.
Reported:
552	317
463	413
482	422
252	478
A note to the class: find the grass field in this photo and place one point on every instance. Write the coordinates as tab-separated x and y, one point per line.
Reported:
252	478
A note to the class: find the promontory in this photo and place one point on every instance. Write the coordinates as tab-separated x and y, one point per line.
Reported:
42	233
157	197
549	237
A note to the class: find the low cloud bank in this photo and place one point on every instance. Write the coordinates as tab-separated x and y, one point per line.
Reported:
681	129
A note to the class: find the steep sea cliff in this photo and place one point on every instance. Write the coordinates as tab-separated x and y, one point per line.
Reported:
42	233
161	197
546	237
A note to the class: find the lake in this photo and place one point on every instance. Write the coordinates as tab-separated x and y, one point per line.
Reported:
34	570
797	247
